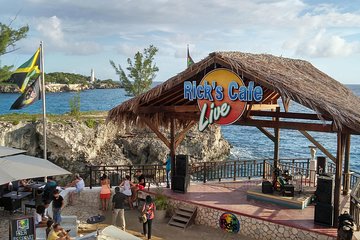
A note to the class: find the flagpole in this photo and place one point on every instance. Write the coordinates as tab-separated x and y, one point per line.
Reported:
43	96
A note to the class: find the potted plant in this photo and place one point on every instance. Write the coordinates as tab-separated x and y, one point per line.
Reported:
161	202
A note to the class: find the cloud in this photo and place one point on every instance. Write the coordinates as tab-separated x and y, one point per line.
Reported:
323	44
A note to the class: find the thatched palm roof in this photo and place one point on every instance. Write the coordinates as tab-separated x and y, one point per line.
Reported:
291	78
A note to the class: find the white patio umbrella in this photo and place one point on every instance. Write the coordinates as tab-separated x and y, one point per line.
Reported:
21	166
8	151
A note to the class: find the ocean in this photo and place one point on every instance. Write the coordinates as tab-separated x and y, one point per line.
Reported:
246	142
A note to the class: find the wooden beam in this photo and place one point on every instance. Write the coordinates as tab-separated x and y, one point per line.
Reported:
267	133
156	131
256	107
309	116
286	125
318	145
172	151
346	180
276	141
286	102
157	109
338	173
180	137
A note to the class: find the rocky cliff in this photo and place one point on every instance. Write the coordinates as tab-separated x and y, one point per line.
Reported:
74	144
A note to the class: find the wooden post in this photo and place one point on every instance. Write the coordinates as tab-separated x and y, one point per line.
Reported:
276	141
338	174
346	180
172	150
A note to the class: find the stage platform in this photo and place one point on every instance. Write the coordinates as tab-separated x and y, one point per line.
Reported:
232	197
299	201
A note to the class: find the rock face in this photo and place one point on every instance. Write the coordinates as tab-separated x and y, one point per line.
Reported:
65	87
73	145
9	88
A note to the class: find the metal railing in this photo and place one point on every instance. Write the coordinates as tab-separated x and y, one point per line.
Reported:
210	171
153	173
355	204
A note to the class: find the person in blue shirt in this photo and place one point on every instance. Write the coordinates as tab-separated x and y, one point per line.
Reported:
168	169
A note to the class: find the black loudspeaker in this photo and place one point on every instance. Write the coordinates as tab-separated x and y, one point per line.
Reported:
321	165
325	189
266	187
324	214
180	184
181	165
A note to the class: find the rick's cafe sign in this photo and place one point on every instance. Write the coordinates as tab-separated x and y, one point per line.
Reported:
221	97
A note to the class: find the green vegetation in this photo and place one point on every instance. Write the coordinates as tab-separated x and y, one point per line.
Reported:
97	116
141	72
74	104
90	123
8	39
161	201
66	78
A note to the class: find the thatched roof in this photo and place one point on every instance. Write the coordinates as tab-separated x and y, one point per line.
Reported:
291	78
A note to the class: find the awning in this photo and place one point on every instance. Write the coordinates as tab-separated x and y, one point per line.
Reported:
21	166
8	151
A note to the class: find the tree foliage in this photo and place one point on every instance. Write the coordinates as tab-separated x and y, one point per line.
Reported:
141	72
8	39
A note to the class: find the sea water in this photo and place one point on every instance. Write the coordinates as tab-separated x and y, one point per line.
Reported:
246	142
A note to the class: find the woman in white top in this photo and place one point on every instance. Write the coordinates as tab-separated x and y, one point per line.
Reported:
79	185
127	185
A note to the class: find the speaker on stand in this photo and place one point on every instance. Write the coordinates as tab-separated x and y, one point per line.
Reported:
324	207
181	179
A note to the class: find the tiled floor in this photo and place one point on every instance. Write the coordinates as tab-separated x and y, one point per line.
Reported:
231	196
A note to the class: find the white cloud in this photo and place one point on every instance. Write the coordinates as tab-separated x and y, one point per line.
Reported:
322	44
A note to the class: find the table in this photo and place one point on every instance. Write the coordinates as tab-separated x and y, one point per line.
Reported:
36	185
95	220
12	200
16	195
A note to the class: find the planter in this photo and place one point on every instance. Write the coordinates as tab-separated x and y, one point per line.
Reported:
160	215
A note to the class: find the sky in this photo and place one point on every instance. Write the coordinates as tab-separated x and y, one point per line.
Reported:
80	35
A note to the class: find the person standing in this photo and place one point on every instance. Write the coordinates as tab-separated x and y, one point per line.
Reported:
58	205
105	192
118	208
168	169
127	184
79	185
49	189
148	209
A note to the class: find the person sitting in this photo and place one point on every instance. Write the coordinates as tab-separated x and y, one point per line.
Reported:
127	185
58	233
23	184
141	180
49	224
39	219
79	184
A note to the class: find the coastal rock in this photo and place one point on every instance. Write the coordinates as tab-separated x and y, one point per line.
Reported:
9	88
74	144
66	87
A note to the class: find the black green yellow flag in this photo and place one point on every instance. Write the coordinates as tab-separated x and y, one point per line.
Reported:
27	71
31	94
190	61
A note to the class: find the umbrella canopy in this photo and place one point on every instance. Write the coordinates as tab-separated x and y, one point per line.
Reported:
7	151
21	166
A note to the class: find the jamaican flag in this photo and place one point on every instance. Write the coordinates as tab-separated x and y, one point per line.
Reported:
190	61
31	94
26	72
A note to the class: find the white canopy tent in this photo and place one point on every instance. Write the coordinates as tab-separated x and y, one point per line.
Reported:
8	151
21	166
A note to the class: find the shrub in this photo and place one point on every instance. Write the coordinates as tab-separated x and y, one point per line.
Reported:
90	123
74	104
161	201
15	122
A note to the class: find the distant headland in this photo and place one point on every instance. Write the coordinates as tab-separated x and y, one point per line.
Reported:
66	82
